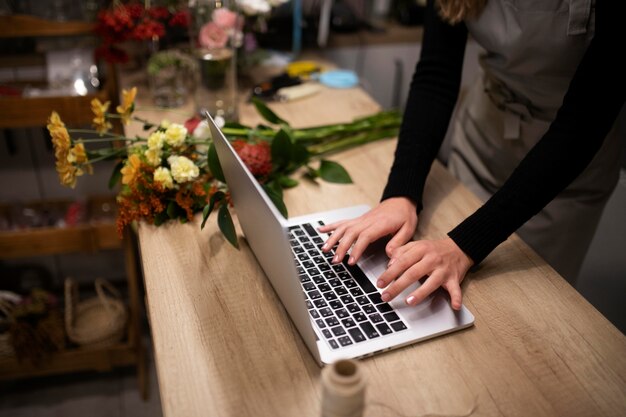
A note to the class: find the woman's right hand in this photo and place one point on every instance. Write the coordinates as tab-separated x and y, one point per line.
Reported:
395	216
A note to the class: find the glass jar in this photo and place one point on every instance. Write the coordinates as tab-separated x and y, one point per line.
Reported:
215	34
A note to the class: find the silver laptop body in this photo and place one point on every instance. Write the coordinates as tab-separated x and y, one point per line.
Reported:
271	238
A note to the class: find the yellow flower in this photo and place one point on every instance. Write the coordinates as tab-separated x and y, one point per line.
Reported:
62	143
78	156
100	122
153	156
131	169
183	169
128	104
175	134
67	174
156	140
162	176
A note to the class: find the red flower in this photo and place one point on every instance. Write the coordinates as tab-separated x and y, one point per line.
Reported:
256	156
180	18
191	124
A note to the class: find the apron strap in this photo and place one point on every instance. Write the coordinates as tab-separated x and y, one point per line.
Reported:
579	12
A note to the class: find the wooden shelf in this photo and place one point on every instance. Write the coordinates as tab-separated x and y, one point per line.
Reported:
15	26
54	241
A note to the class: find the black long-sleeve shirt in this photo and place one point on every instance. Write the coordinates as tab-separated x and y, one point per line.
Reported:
591	104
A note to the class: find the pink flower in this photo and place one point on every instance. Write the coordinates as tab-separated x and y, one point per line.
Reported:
225	18
212	36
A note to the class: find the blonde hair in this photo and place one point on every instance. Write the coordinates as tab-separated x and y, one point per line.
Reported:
453	11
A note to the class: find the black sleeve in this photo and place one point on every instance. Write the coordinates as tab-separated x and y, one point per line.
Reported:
432	97
590	107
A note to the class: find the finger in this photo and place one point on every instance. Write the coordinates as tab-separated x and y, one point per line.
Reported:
330	227
367	236
345	243
456	296
410	276
400	238
428	287
333	238
407	256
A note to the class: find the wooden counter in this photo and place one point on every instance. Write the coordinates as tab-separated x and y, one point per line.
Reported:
225	347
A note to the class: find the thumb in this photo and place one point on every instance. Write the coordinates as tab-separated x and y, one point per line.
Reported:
400	238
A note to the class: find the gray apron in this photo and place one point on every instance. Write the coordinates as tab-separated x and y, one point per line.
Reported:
532	50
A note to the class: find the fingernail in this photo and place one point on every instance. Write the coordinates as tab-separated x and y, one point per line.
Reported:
325	246
351	260
380	283
385	297
336	259
391	261
410	300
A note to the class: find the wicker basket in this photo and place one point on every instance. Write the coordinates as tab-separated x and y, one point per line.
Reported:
96	322
6	346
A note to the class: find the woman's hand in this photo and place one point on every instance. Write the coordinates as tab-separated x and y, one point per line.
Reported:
395	216
442	262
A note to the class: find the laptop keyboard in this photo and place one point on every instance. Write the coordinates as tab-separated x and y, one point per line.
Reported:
344	305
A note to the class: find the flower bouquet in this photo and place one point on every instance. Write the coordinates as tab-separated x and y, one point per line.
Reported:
174	173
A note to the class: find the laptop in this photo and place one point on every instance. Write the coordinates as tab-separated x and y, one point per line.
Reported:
336	308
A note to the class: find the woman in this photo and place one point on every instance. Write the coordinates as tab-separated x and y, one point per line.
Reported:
533	139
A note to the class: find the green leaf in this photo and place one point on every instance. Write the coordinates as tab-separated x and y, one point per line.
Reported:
214	164
312	173
116	175
333	172
281	149
299	154
173	210
266	112
161	218
225	222
235	125
218	196
287	182
148	126
277	198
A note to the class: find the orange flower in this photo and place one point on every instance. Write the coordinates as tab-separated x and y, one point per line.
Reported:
78	156
62	143
128	104
131	169
100	122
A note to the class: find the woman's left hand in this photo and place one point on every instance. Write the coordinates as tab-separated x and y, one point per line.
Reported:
441	261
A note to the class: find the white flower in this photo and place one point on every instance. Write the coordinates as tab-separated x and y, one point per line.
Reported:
153	156
202	131
254	7
175	134
183	169
165	124
156	140
163	177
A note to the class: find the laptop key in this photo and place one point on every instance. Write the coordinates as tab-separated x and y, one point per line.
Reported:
329	296
338	331
333	344
327	334
345	341
353	308
350	283
297	250
318	279
360	277
357	335
310	230
360	317
336	305
342	313
332	321
398	326
324	287
325	312
362	300
384	308
314	314
347	323
383	328
309	304
368	308
324	267
391	317
376	299
321	303
308	286
304	278
319	260
330	275
320	323
334	282
313	295
369	330
346	299
356	292
376	318
341	291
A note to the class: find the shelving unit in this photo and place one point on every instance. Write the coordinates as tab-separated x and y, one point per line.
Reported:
20	112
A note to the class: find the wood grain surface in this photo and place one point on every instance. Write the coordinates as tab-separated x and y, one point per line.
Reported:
225	347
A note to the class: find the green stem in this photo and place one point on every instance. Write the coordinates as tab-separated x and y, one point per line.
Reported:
351	141
104	157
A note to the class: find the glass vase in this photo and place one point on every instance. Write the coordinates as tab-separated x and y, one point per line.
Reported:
215	34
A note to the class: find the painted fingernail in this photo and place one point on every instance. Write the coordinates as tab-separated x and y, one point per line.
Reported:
380	283
385	296
410	300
